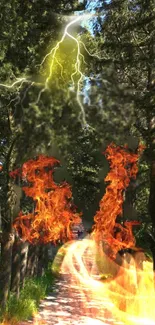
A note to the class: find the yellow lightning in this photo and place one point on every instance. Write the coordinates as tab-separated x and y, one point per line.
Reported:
18	81
77	70
77	67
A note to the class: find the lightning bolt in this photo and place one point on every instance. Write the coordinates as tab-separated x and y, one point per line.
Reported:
18	81
77	67
53	53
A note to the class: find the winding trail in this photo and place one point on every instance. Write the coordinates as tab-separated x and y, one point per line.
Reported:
64	307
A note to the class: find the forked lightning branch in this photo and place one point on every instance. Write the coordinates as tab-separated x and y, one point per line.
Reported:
77	71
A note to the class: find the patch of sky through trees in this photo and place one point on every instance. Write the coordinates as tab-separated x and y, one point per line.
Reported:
94	26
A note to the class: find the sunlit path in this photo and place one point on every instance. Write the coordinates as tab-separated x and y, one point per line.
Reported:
82	296
61	309
71	303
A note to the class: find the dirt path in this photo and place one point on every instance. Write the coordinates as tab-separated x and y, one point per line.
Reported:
64	307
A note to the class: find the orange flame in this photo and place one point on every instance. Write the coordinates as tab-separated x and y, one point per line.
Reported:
114	293
99	289
123	167
54	214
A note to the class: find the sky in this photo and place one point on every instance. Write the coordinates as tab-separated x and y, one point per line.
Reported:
93	24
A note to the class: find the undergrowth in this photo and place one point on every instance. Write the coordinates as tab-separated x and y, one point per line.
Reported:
34	290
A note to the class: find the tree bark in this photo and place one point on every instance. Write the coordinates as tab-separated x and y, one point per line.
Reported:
152	207
45	257
40	261
32	261
5	266
23	264
15	275
8	236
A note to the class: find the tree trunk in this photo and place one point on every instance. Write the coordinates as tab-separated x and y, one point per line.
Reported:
15	276
32	261
40	261
8	235
45	256
7	205
5	266
23	264
152	207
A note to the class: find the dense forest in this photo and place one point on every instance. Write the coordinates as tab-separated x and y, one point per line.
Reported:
75	76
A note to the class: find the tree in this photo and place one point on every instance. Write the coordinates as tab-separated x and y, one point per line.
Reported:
8	199
84	166
26	30
127	42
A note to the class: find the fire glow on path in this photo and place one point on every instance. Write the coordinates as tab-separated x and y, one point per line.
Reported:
112	288
127	295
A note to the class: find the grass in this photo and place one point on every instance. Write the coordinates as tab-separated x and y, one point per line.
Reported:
27	305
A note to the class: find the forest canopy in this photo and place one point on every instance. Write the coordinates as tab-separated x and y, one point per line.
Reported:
76	76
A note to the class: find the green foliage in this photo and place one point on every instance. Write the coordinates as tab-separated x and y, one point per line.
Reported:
141	194
33	289
122	87
18	310
84	166
28	30
128	33
26	306
142	191
142	239
48	278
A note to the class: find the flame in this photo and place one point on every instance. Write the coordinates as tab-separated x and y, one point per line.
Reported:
122	294
54	214
123	167
102	290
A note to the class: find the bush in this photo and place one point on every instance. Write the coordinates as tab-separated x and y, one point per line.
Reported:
19	309
48	278
34	289
26	306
